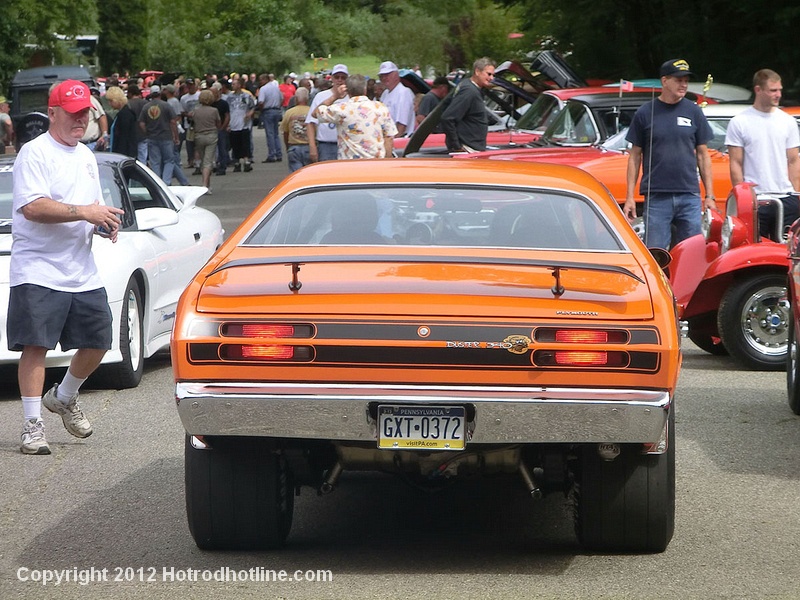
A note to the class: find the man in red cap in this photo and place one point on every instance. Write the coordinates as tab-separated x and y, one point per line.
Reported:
56	293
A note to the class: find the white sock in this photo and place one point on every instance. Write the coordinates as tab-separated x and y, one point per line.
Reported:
32	407
69	386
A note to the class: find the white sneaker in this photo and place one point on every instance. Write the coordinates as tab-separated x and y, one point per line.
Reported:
33	441
71	414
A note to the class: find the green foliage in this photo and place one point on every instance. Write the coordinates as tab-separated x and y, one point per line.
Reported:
392	40
123	27
487	34
34	23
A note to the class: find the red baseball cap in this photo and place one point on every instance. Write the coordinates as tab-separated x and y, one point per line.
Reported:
71	95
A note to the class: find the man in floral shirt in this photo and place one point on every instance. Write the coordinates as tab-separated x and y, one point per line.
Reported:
365	128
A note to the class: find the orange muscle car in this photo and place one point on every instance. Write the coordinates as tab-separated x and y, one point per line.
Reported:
435	319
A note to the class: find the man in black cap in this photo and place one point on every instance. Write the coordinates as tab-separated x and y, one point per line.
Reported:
669	137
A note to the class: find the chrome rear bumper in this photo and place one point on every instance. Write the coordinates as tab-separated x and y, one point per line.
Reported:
503	415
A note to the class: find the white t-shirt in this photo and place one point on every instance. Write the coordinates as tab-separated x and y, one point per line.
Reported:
765	137
54	255
326	132
400	101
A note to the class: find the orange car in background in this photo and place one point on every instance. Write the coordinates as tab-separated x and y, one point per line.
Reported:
435	319
608	161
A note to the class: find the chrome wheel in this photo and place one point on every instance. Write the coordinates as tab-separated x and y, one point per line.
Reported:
134	341
753	321
765	321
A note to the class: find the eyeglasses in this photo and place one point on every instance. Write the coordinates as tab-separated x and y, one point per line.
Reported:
340	76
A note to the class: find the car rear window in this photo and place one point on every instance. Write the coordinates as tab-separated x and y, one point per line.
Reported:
437	216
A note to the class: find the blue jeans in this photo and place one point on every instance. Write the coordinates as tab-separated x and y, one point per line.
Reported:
298	156
177	171
161	154
271	118
223	151
327	151
141	151
767	215
662	210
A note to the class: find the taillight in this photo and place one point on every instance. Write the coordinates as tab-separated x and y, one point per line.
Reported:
265	352
266	330
581	336
580	358
576	336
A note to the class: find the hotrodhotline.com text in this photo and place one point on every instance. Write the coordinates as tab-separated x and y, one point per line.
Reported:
90	575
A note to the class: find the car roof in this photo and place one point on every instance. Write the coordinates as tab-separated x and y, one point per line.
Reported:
39	75
627	99
103	158
724	109
443	171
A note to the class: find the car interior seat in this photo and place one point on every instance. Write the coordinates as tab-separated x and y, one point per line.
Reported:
354	221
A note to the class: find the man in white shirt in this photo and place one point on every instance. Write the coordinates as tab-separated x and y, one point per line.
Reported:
398	98
763	146
322	137
56	294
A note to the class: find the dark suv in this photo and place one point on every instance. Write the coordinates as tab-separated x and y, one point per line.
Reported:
29	92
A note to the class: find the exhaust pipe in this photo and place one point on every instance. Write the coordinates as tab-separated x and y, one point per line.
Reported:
533	487
330	481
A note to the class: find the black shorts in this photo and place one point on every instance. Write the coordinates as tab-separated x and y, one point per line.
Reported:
39	316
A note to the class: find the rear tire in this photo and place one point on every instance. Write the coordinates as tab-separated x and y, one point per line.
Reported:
128	373
753	321
239	495
627	504
793	368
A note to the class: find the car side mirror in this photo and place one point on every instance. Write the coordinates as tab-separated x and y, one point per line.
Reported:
151	218
663	258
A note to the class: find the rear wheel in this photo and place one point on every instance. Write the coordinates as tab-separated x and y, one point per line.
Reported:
128	373
753	321
627	504
238	495
793	369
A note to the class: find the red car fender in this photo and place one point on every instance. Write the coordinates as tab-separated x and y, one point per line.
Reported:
723	269
690	261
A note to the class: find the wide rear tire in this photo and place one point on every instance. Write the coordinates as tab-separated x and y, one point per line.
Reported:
239	495
626	504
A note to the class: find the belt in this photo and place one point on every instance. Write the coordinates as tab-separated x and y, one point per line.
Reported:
321	142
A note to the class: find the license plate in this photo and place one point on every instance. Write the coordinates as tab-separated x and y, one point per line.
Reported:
421	427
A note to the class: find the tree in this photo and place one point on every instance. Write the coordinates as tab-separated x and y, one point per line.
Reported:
26	25
123	31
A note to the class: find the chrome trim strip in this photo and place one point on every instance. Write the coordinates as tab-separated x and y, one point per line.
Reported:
504	415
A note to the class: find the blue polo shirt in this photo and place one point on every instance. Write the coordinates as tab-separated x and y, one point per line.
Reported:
669	163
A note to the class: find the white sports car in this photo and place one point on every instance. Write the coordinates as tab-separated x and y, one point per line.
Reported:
164	240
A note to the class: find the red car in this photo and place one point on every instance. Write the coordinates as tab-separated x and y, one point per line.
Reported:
730	285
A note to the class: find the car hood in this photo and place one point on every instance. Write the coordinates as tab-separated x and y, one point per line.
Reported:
607	286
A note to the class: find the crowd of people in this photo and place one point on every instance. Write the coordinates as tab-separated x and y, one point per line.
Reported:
210	122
